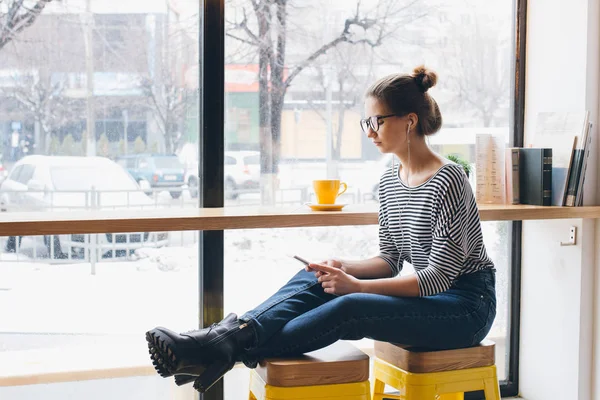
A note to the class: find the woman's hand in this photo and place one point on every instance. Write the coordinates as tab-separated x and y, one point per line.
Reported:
332	262
335	281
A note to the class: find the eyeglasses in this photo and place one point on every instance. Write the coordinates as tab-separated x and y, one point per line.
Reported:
373	122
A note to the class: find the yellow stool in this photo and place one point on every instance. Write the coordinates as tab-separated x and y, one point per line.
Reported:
420	374
336	372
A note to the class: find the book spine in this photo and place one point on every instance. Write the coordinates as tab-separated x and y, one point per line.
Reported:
586	154
574	178
512	175
547	177
515	175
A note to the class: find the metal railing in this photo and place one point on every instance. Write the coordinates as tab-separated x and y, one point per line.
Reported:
92	248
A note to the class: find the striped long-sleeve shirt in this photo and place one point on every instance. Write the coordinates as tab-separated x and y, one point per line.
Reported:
438	231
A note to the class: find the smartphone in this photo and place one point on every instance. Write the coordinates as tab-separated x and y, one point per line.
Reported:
302	260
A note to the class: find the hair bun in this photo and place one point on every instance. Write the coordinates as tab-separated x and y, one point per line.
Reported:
424	78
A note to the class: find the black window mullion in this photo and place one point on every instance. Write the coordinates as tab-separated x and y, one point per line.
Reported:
211	165
511	385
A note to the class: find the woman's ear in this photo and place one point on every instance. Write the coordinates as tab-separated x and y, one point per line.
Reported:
412	120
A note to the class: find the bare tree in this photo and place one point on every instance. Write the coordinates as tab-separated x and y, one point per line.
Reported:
37	87
268	33
168	103
43	99
16	15
478	70
164	87
346	78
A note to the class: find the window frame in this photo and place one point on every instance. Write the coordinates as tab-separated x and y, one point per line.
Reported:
211	167
211	244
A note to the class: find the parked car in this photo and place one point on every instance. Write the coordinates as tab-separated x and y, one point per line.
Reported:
155	171
241	174
49	183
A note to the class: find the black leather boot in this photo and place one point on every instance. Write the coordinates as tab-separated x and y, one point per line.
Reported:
184	379
202	354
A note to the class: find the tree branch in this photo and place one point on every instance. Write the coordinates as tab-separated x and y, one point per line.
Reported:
147	87
13	9
322	50
241	40
344	36
18	18
243	25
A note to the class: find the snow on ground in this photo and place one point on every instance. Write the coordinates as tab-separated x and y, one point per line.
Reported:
161	286
64	306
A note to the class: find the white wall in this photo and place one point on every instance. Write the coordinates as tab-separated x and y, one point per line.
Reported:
558	335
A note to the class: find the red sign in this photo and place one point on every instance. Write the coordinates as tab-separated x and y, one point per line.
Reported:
238	77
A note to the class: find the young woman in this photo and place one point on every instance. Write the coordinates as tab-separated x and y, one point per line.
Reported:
427	217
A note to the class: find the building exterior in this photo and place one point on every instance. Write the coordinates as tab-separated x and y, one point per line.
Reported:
136	53
143	60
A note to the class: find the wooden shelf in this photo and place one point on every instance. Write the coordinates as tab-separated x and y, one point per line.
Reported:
34	223
70	364
495	212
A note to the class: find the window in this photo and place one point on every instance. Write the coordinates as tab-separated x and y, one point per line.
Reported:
132	88
14	175
252	160
82	90
312	130
307	124
26	174
143	163
167	163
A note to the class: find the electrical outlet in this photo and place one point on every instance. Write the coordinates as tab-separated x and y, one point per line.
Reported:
572	237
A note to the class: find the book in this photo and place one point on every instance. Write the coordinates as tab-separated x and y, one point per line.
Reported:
535	176
586	150
512	175
559	177
574	176
560	131
489	169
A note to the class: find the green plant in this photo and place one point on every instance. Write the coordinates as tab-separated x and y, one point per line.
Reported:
462	162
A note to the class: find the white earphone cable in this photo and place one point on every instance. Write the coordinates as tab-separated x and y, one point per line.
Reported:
401	209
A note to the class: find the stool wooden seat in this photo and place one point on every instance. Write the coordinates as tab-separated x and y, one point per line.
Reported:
426	374
421	360
339	371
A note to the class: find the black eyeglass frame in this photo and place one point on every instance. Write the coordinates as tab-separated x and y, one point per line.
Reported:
373	122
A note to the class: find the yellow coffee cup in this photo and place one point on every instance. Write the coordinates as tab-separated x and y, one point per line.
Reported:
328	190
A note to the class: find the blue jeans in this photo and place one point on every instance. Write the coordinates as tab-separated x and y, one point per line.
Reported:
301	317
